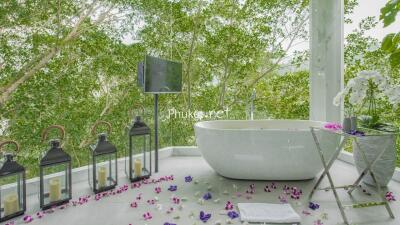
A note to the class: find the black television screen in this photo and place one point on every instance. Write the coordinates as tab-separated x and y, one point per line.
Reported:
162	76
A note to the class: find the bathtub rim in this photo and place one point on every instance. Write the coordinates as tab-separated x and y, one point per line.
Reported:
200	125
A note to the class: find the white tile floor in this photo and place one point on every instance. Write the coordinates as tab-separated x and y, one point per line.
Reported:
116	210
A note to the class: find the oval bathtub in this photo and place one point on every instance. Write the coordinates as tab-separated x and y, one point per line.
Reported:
263	149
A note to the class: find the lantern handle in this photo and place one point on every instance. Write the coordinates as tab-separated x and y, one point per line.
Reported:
46	131
109	130
9	142
140	106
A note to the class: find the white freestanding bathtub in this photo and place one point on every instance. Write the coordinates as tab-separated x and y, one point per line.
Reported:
263	149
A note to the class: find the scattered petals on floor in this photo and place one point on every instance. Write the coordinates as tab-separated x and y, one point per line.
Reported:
188	179
390	196
172	188
134	205
318	222
176	200
313	206
204	216
147	216
173	208
27	219
228	205
207	196
39	215
233	215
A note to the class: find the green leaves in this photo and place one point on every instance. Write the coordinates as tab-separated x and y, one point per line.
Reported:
395	58
391	43
389	12
387	42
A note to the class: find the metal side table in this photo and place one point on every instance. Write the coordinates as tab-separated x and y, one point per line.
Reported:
328	164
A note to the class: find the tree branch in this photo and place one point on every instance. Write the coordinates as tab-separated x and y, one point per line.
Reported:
28	71
276	64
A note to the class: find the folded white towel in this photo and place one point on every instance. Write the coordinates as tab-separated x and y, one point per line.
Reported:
268	213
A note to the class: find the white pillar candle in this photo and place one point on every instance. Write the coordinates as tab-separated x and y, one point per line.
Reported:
10	204
54	189
102	177
137	168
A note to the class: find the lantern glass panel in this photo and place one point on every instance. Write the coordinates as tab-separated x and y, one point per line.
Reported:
140	147
11	194
106	173
56	182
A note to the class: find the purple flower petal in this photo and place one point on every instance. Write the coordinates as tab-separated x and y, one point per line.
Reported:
233	215
333	126
313	206
207	196
204	216
27	219
389	196
172	188
228	205
318	222
188	179
357	133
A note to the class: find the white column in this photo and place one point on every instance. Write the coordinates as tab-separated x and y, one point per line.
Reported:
326	64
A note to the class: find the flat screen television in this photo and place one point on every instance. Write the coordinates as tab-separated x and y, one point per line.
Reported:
162	76
140	74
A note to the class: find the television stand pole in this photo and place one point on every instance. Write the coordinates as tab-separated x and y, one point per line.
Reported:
156	131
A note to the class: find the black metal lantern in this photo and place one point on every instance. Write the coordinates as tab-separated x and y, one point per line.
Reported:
13	186
139	164
55	173
102	168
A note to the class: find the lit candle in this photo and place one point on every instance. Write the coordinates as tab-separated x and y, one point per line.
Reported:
138	168
102	177
11	205
55	190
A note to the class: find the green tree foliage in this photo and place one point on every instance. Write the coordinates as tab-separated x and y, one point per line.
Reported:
63	62
285	96
391	43
62	67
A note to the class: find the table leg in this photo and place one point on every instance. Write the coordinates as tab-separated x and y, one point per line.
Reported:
338	202
369	168
326	171
329	165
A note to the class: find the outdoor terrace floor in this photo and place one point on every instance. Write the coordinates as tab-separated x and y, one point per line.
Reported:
116	210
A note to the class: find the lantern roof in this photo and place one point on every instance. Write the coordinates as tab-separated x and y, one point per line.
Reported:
139	127
103	146
55	155
10	166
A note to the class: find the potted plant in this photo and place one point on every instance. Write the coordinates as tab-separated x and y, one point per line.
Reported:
365	93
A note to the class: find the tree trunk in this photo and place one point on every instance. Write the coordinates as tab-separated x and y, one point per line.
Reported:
192	45
223	84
